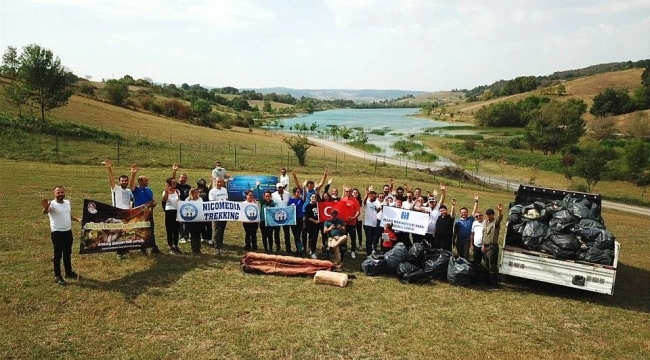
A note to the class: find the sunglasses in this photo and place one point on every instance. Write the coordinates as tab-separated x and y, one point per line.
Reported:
479	216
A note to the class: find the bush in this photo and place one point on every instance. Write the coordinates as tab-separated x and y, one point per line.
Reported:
517	142
116	92
86	88
176	109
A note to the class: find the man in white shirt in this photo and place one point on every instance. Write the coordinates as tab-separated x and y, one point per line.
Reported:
122	196
370	221
476	239
284	179
219	172
218	193
281	198
59	212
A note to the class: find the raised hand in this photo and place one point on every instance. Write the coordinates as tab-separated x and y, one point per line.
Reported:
108	163
453	202
134	168
176	166
475	197
329	182
500	207
443	187
257	183
45	203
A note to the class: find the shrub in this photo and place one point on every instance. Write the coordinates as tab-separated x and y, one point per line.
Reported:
86	88
176	109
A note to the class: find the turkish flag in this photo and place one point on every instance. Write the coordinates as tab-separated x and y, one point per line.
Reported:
325	210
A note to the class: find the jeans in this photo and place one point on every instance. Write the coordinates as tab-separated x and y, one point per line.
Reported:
477	259
62	242
267	236
296	230
206	230
462	247
194	231
360	232
218	230
372	238
351	231
492	258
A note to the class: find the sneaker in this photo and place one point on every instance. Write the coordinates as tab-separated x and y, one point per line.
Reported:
210	242
203	241
313	255
59	280
182	241
72	275
353	255
172	251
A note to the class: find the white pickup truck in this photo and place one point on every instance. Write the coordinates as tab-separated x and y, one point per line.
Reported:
534	265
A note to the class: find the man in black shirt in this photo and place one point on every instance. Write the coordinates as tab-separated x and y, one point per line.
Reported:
184	191
206	226
445	227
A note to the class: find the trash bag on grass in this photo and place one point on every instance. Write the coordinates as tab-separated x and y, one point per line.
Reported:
437	263
373	267
597	256
459	271
415	277
417	251
534	233
405	268
396	255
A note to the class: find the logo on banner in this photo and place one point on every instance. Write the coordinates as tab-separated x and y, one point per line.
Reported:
281	216
251	212
92	208
405	215
188	211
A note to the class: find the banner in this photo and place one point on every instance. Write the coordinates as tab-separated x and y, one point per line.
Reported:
197	211
405	220
106	228
325	210
280	215
238	185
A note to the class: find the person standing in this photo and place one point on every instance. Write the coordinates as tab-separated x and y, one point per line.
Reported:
312	225
298	202
143	196
281	199
370	220
443	237
476	239
351	221
219	172
170	197
206	226
184	191
267	231
463	230
250	227
491	243
218	193
357	195
59	212
284	179
194	228
121	194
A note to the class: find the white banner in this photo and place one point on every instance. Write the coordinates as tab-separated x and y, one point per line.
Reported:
195	211
405	220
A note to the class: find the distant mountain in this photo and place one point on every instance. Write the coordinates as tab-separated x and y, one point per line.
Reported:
364	95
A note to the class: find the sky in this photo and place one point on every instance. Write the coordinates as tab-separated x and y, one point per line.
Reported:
427	45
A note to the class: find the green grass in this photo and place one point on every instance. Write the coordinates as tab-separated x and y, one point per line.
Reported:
380	132
370	148
183	307
450	127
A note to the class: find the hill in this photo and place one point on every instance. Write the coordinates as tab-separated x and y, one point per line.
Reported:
362	95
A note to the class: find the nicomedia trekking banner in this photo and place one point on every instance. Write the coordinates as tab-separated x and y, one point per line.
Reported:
239	184
193	211
106	228
280	215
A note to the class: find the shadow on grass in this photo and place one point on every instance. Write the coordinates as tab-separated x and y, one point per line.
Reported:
631	290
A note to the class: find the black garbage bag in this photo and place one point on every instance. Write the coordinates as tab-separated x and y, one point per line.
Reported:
417	251
460	271
396	255
437	263
373	267
405	268
600	238
589	223
597	256
554	206
562	222
515	209
581	208
415	277
566	241
533	234
549	247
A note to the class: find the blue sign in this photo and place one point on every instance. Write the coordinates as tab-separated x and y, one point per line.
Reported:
239	184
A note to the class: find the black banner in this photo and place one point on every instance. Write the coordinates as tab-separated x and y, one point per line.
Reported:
106	228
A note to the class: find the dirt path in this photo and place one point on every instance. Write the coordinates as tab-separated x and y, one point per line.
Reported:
507	184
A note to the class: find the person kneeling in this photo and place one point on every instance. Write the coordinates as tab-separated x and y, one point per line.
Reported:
335	229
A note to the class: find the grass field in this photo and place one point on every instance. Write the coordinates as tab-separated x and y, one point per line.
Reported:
183	307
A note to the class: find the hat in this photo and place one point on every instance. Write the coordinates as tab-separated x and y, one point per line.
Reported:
279	185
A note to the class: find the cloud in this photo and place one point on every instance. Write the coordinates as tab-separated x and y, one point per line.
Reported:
216	13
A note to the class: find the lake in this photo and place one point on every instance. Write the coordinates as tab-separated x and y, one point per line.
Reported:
399	122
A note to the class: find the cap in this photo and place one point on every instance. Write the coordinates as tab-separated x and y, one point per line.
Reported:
279	185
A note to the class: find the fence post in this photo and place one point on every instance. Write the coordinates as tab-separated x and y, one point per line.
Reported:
323	153
407	170
138	135
235	154
255	149
180	153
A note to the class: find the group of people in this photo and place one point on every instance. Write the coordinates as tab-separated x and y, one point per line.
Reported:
469	234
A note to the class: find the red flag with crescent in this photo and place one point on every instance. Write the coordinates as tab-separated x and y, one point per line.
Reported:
325	210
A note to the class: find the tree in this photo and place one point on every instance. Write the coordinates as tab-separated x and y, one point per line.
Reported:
10	63
601	128
299	145
592	161
638	126
14	92
504	113
201	108
345	133
636	161
556	125
645	77
45	81
612	102
641	97
117	91
267	106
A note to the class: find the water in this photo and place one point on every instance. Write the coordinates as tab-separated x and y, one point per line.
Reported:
397	121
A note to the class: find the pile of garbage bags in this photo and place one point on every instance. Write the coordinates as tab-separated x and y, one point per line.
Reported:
420	264
571	228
